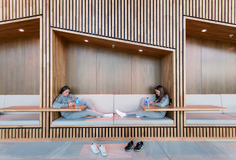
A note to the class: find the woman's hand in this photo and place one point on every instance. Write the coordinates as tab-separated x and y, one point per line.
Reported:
71	104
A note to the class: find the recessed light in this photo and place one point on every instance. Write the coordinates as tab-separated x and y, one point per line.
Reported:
204	30
21	30
231	35
113	46
140	50
86	40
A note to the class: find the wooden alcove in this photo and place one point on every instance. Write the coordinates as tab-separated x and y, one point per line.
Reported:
108	66
210	58
20	60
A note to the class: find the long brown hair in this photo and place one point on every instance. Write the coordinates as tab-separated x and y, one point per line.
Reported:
64	88
163	92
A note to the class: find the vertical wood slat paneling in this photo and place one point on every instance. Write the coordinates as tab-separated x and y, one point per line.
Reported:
12	9
20	133
209	11
111	133
218	10
123	19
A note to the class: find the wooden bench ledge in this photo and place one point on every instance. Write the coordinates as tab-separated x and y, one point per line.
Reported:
151	108
38	109
185	108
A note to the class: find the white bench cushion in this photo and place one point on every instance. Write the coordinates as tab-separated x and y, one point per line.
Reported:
102	102
204	99
21	100
130	102
2	101
229	101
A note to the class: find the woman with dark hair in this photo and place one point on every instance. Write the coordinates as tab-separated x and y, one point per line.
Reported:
162	100
65	99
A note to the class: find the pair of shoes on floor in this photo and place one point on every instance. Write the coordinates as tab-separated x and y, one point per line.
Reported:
139	146
100	149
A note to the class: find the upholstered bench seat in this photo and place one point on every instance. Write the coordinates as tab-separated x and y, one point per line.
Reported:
109	103
82	122
18	119
210	118
226	117
116	120
142	121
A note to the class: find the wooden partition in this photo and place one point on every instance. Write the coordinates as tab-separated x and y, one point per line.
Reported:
58	71
103	66
210	58
21	73
168	82
143	23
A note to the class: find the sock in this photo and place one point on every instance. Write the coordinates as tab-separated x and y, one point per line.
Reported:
121	114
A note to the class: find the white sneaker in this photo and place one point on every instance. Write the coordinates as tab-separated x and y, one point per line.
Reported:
94	148
121	114
102	150
108	115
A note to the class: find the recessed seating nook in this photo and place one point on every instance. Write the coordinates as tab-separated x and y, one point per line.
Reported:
20	68
210	64
112	74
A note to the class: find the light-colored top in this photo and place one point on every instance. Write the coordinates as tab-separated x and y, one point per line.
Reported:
62	101
164	102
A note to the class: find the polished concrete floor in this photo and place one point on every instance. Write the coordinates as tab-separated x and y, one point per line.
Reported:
158	150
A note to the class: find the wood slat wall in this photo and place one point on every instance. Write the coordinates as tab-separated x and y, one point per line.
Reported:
18	9
15	9
127	133
131	20
153	22
214	11
217	10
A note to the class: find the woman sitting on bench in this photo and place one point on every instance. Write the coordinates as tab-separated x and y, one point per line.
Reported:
162	100
66	99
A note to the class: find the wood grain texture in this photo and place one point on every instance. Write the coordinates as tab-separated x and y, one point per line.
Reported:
15	58
93	68
149	22
210	66
58	70
11	9
131	20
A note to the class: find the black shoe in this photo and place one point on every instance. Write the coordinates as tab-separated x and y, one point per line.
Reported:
139	147
129	146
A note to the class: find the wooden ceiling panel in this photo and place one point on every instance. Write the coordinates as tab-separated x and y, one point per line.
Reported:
215	31
114	44
10	30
